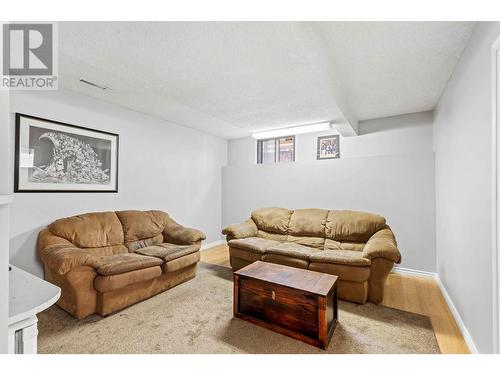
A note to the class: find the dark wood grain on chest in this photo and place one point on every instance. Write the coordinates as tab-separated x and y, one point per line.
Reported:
299	304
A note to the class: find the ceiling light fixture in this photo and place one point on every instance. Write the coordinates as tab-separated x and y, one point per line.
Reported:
302	129
94	84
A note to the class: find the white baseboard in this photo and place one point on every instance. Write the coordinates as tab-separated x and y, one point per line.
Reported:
211	244
458	319
412	272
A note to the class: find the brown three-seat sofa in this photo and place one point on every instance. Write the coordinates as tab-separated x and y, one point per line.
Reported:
105	261
358	247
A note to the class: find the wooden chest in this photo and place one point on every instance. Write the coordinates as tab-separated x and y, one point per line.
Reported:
295	302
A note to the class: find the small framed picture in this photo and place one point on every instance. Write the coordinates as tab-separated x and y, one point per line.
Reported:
328	147
52	156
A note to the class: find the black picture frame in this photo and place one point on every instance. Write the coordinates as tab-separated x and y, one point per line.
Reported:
336	155
114	156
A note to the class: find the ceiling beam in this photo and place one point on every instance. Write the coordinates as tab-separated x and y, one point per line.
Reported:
344	120
346	129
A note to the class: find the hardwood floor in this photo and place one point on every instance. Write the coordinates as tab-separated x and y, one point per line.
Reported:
420	295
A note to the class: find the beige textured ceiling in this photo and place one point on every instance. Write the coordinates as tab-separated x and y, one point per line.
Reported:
231	78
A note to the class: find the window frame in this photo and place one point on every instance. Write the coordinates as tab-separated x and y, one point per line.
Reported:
276	149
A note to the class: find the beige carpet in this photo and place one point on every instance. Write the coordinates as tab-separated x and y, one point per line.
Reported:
196	317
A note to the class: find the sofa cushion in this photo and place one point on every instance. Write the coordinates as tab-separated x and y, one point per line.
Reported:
96	229
347	257
292	250
286	260
251	256
346	245
120	263
272	236
317	242
253	244
272	219
308	222
106	250
352	226
139	244
332	244
139	225
168	251
180	263
107	283
344	272
356	246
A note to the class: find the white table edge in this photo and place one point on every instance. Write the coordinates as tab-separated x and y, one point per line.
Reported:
36	309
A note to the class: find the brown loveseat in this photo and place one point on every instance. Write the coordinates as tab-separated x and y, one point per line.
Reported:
105	261
358	247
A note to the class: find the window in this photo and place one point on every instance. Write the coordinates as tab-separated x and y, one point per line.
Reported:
276	150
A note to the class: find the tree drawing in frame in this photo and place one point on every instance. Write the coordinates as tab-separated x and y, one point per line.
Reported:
57	157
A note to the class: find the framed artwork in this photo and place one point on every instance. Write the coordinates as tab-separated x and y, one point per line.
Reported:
328	147
52	156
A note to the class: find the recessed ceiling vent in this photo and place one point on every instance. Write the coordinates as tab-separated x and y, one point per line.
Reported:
106	88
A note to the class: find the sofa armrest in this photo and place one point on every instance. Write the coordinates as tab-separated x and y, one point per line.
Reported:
180	235
382	245
241	230
62	259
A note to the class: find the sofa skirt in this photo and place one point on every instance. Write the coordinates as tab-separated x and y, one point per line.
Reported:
116	300
80	299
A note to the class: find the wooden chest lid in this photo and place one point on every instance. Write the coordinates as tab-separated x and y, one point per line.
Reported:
296	278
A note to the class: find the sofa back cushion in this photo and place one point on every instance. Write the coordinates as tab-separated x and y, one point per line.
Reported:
352	226
309	222
329	229
307	227
91	230
272	219
142	228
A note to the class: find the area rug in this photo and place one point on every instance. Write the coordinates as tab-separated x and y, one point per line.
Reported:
196	317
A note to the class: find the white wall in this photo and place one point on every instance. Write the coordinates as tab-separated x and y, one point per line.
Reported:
464	197
395	179
161	166
386	136
5	189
